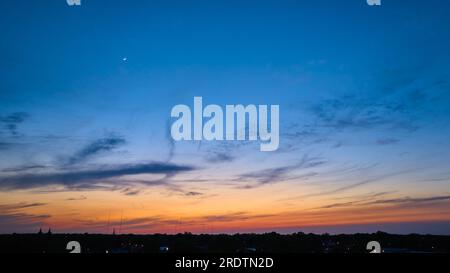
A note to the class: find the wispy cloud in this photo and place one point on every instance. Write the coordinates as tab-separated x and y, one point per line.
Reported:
13	216
410	200
279	174
25	168
171	142
387	141
359	113
397	104
393	201
147	223
219	157
236	216
90	179
220	152
19	206
79	198
11	121
348	187
128	225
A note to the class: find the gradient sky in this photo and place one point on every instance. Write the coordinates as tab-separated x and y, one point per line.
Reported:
86	94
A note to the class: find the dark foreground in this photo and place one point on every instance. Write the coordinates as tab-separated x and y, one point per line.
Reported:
232	244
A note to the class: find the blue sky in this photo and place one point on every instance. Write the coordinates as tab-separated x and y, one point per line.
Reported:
363	94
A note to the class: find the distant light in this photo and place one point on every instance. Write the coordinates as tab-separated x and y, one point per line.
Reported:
125	59
164	249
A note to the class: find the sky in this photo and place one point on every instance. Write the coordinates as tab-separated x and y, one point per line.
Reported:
86	94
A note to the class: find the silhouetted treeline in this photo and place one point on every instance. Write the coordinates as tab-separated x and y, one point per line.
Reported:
221	243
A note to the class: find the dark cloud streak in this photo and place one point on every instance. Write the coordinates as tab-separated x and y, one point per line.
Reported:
96	147
11	121
88	178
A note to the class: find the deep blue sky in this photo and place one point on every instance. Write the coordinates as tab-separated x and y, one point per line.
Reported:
358	87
